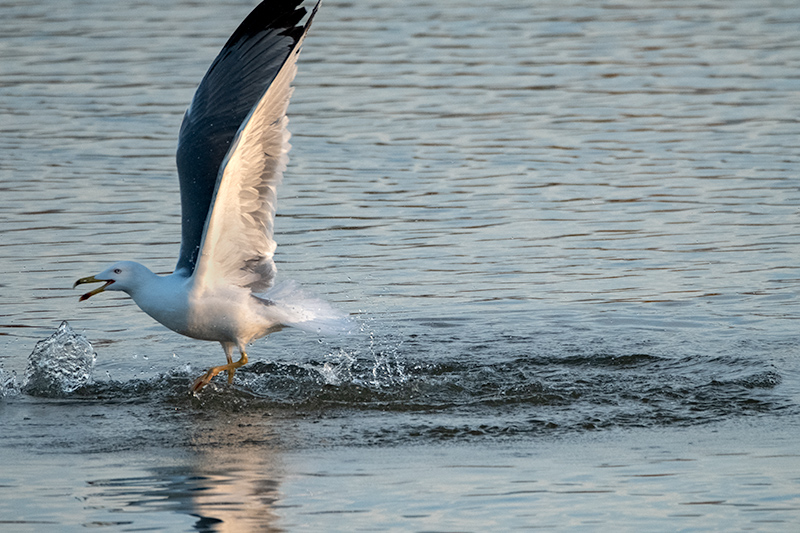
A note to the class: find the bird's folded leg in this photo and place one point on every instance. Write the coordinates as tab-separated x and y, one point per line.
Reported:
231	367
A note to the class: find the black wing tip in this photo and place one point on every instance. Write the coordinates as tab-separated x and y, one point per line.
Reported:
282	15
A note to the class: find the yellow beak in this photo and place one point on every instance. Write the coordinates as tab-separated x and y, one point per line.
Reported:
92	279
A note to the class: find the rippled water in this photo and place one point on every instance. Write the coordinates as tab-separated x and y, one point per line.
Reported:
568	231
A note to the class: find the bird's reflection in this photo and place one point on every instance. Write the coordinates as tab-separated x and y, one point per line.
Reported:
218	473
235	474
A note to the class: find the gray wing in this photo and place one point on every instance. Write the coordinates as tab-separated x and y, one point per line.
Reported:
235	82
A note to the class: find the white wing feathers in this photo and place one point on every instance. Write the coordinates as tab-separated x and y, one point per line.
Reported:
237	244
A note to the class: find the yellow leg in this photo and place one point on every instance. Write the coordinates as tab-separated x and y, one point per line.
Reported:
231	367
228	347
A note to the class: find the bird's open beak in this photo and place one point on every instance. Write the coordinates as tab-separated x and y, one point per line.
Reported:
92	279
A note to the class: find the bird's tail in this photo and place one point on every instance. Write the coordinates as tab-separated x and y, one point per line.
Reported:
304	311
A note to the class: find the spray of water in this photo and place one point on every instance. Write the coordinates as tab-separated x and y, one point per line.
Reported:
60	364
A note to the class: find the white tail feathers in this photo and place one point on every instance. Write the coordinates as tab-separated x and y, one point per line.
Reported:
306	312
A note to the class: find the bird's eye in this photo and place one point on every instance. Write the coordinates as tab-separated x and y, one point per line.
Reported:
117	271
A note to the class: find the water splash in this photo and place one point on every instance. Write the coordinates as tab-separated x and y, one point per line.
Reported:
425	387
337	368
388	368
59	364
8	384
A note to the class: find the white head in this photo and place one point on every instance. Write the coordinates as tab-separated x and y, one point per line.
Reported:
124	276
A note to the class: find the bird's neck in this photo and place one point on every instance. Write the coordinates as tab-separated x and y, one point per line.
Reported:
163	298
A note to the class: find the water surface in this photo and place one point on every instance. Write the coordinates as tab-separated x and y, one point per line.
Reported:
568	231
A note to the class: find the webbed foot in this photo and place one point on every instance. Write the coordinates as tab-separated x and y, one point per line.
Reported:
206	378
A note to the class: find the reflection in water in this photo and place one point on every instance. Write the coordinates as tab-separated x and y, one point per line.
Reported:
228	479
237	474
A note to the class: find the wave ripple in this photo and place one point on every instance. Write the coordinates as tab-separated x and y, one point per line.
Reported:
396	396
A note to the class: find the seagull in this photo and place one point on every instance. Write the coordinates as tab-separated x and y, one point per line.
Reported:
232	151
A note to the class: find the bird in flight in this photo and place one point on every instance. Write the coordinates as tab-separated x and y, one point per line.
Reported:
232	150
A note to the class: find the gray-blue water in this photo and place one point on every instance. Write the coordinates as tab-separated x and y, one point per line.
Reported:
569	232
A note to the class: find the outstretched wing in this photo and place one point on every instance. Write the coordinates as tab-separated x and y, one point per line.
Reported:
237	244
238	78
